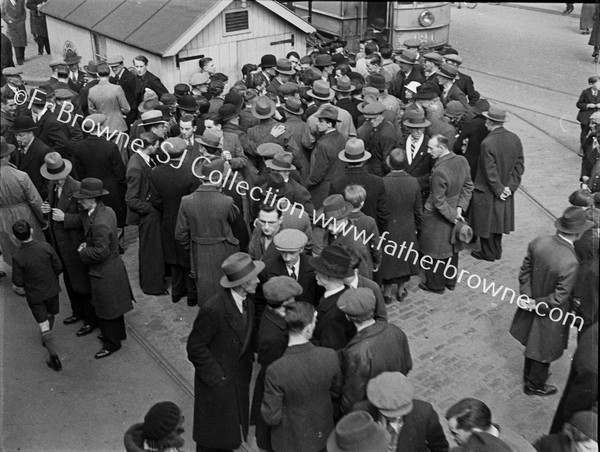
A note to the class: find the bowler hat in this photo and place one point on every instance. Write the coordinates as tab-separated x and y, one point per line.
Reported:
149	102
114	60
454	109
290	240
408	56
358	432
357	302
354	152
343	85
376	81
284	67
55	167
211	138
187	102
425	92
71	57
391	393
228	111
90	187
263	108
6	148
416	119
448	71
573	221
181	89
239	268
279	289
333	261
324	60
152	117
379	24
234	98
435	57
320	90
91	67
22	123
461	232
496	114
161	420
293	106
281	162
174	146
199	78
328	112
268	61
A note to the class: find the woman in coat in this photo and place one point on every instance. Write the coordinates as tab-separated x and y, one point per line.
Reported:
39	30
404	197
110	288
14	16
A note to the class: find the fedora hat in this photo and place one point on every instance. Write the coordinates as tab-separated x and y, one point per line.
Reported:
150	101
22	123
376	81
71	57
152	117
207	167
211	138
281	162
228	111
358	432
480	106
263	108
335	206
448	71
408	56
293	106
495	114
333	261
354	152
268	61
461	232
379	24
6	148
416	119
343	85
425	92
284	67
324	60
187	102
239	268
573	221
91	67
320	90
328	112
90	187
55	167
435	57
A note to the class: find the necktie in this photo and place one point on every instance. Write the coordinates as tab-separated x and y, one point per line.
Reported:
413	148
244	305
293	274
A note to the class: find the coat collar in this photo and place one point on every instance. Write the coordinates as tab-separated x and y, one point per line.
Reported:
302	348
271	316
367	333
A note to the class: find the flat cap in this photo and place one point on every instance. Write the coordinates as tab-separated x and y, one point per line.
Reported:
11	71
114	60
290	240
63	93
57	62
455	58
357	302
279	289
454	109
174	146
434	56
373	109
289	88
391	393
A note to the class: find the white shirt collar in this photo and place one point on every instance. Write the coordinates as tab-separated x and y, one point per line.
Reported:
565	239
329	293
146	157
354	282
239	300
296	268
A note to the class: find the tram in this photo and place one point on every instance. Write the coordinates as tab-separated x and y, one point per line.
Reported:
429	22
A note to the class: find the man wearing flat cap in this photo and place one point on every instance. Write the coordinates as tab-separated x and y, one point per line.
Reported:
409	72
272	340
380	136
126	80
413	424
377	346
446	75
546	279
220	348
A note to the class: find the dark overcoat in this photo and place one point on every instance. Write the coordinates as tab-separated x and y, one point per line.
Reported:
97	157
37	19
501	164
421	166
333	329
474	131
128	82
204	230
219	347
15	17
325	166
67	235
51	132
595	34
465	83
587	97
547	275
380	308
404	197
151	81
275	266
299	389
451	187
31	162
110	288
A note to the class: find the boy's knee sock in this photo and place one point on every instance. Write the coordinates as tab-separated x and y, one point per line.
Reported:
51	320
48	340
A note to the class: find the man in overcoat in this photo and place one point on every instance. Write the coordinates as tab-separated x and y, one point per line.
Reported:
110	288
451	190
546	280
588	103
126	80
14	14
499	171
204	228
419	161
48	128
220	348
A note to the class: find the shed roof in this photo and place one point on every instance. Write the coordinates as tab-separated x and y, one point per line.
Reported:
162	27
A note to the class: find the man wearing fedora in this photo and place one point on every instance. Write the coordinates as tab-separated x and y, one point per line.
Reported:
62	210
220	348
77	78
204	227
499	170
48	129
356	157
463	81
449	124
474	130
419	161
285	73
126	80
30	152
110	288
408	72
91	70
546	278
301	387
343	94
447	73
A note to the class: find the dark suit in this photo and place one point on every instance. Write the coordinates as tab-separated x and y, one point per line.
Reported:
275	266
299	389
586	97
347	104
420	167
151	81
219	347
50	131
128	82
36	268
333	329
76	86
31	162
141	212
380	309
401	80
465	83
475	131
455	93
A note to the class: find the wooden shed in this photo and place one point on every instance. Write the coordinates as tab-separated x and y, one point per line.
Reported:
174	34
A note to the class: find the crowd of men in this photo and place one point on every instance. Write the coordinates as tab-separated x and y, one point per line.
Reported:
292	208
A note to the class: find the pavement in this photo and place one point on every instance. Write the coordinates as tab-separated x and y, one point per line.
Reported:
551	8
459	341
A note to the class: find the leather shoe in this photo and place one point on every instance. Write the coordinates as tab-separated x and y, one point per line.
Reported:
71	319
54	363
85	330
103	353
401	295
192	302
427	289
387	299
545	391
477	255
449	287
